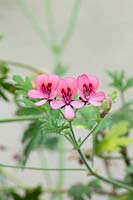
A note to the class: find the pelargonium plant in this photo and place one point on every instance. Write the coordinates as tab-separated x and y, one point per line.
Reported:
55	106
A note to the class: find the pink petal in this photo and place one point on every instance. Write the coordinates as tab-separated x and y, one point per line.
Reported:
35	94
72	84
68	112
56	104
94	81
77	104
86	79
39	103
65	83
60	86
95	103
81	80
54	79
97	98
53	94
40	80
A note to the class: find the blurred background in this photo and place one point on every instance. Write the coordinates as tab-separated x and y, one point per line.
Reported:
101	39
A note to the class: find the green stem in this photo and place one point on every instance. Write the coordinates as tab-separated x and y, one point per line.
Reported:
33	21
91	131
93	149
40	168
71	23
21	118
110	181
21	65
94	136
94	140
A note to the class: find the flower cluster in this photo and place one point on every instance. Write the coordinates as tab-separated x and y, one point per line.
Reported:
49	87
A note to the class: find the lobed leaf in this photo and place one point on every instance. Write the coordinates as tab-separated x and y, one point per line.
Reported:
115	138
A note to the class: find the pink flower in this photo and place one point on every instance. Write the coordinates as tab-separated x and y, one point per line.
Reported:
46	86
88	86
66	90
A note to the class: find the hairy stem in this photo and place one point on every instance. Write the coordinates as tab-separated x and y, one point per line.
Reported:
21	118
40	168
91	131
109	181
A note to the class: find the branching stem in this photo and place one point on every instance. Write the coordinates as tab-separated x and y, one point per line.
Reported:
91	170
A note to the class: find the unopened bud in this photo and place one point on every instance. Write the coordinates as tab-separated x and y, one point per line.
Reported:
107	106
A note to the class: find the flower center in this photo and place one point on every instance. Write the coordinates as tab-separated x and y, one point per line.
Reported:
46	89
67	95
87	89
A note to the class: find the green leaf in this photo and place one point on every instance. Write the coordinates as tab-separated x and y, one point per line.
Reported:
83	191
128	179
43	133
22	99
79	192
115	138
9	87
85	118
124	113
29	194
113	96
129	83
130	169
125	196
32	140
28	111
5	85
21	83
119	80
3	69
3	95
94	184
